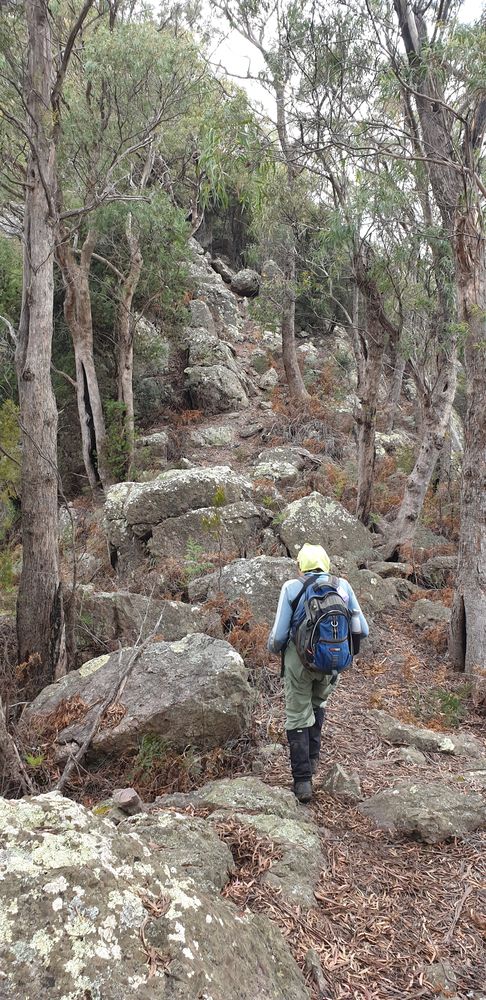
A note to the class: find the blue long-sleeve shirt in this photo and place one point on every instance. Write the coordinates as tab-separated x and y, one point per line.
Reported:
279	635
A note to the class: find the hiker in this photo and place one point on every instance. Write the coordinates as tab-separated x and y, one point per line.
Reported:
312	674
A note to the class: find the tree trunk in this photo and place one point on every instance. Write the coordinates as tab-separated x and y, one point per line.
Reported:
40	619
125	341
436	423
395	391
77	311
370	348
289	351
367	392
468	626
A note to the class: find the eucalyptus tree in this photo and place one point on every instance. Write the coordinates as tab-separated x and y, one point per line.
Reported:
33	66
442	71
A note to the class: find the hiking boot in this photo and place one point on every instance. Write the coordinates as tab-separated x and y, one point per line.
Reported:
303	790
300	763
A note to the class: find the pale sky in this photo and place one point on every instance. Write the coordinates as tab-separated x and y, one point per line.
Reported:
237	55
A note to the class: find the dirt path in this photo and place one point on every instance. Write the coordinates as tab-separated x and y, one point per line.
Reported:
388	908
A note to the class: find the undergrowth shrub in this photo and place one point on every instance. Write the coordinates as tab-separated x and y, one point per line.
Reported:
440	707
117	446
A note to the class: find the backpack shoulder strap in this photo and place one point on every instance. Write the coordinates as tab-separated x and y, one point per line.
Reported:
308	583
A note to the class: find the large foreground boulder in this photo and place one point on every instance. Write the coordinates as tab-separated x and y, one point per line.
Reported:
194	691
322	521
87	910
433	811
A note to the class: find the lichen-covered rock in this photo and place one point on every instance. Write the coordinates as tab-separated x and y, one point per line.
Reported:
214	389
221	267
438	571
403	734
341	785
188	844
273	813
194	691
322	521
215	436
410	755
89	910
105	616
234	529
272	341
209	287
177	491
427	613
152	446
206	349
277	470
244	794
201	316
254	582
432	811
387	569
268	380
389	444
375	594
260	360
293	454
246	282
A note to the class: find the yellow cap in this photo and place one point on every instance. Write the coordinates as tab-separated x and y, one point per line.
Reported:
313	557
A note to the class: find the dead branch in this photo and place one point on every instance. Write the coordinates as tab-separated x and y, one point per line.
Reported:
10	760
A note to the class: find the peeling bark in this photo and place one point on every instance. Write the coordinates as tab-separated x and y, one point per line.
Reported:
40	617
367	392
125	340
468	626
370	348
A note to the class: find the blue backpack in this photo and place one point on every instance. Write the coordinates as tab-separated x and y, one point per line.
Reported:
321	627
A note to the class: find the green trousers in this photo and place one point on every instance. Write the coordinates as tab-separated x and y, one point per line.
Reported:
304	690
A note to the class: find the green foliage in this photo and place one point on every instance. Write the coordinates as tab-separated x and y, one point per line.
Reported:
439	703
213	523
10	305
7	581
117	445
9	464
195	561
10	279
34	760
152	753
405	458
